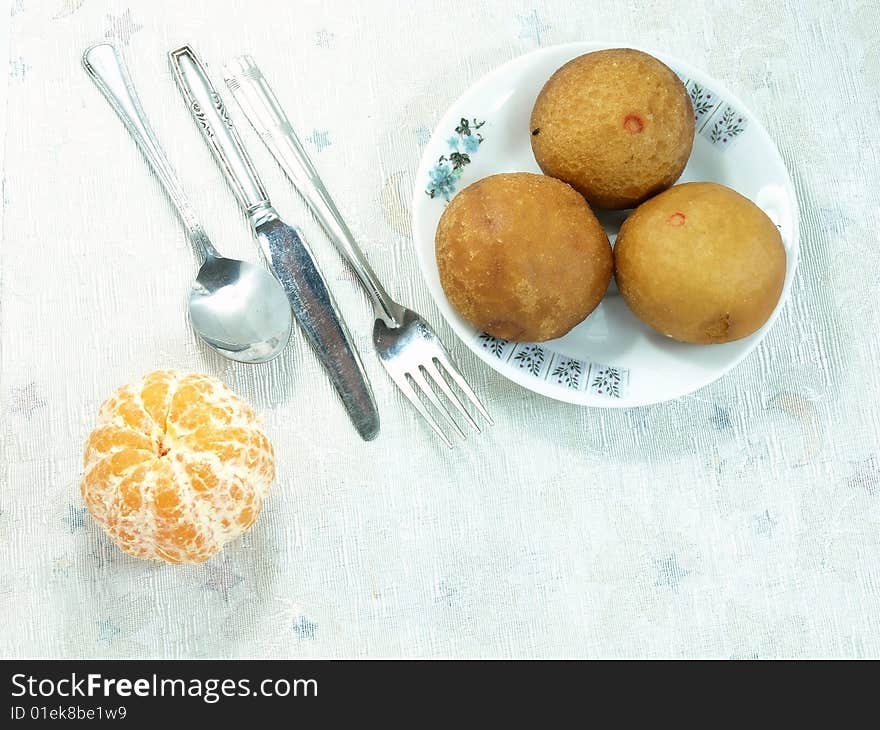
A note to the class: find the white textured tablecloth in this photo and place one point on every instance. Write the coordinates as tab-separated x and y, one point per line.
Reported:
742	521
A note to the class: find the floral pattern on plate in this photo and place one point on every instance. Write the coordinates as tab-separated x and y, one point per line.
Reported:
703	100
560	370
466	140
715	119
725	125
534	359
495	345
568	372
608	381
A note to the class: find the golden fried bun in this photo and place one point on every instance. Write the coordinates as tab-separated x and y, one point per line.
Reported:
700	263
522	257
617	125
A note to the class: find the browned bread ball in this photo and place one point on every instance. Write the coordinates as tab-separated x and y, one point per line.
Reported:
700	263
617	125
522	257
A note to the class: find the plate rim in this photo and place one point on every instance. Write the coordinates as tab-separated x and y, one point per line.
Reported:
538	386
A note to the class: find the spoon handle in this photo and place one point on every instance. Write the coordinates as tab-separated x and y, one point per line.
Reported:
208	108
107	69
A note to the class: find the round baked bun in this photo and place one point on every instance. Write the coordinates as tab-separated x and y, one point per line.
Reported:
700	263
617	125
522	257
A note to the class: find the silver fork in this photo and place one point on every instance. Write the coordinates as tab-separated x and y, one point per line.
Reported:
407	346
411	351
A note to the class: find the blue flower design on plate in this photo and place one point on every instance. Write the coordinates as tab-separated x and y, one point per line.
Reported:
443	177
471	144
442	180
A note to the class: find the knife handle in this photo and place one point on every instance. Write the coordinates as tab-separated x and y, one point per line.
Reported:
209	111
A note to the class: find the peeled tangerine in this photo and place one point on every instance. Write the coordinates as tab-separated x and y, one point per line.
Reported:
617	125
700	263
177	466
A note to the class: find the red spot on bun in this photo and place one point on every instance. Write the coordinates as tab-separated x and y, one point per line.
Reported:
633	123
676	219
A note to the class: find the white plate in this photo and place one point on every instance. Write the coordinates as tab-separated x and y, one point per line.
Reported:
611	359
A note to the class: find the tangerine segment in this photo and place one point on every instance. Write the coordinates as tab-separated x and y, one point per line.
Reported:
124	408
201	400
177	467
113	468
128	519
233	445
156	393
228	490
109	438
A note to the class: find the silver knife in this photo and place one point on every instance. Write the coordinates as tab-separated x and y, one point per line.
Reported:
282	245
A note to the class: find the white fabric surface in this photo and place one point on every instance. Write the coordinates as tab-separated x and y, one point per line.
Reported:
742	521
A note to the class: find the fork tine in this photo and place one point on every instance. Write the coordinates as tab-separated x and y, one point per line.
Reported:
422	382
438	378
406	388
445	359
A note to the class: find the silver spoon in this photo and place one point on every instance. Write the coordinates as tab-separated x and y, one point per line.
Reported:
236	307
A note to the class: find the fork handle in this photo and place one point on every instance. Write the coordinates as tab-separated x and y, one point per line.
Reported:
262	109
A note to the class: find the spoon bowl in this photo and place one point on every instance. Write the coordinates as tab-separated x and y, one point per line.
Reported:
239	309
